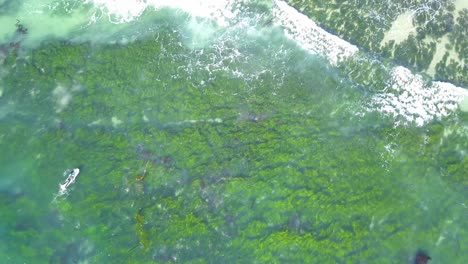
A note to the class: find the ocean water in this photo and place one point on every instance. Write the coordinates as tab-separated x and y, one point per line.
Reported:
226	132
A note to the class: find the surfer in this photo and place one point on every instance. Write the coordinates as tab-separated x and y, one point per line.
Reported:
70	179
72	174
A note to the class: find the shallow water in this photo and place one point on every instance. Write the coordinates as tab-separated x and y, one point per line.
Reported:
209	140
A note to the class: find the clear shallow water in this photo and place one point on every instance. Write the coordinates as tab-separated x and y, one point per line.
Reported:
236	145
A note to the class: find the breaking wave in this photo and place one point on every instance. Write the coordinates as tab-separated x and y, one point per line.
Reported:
404	95
219	26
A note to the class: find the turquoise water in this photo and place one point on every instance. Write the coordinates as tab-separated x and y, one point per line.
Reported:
204	143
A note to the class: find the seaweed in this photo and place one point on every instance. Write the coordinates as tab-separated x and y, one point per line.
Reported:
233	171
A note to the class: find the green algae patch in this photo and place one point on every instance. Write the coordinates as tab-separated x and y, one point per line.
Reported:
267	169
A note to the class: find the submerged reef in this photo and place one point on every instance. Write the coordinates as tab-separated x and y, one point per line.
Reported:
182	164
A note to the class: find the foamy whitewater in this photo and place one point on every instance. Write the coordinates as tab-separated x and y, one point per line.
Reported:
310	36
127	10
406	96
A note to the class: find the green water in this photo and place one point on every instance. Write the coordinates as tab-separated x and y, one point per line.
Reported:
237	146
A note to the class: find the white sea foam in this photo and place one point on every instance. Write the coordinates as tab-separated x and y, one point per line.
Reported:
303	30
216	120
62	97
406	96
116	122
122	11
410	100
